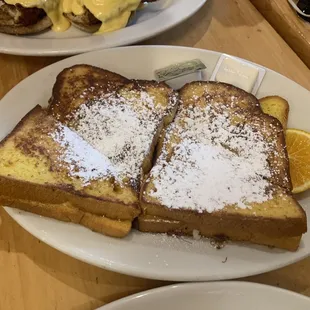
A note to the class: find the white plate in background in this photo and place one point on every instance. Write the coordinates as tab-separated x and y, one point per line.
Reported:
140	254
73	41
213	296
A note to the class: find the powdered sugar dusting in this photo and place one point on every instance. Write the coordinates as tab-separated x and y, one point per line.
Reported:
81	159
216	163
121	128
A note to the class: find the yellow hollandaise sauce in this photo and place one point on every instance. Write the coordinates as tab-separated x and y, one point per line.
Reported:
52	8
113	14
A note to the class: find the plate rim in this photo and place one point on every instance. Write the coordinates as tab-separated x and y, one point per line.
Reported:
124	269
151	46
130	36
216	285
136	272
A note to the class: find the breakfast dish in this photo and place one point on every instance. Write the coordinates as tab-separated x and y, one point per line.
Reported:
37	167
74	26
28	17
213	295
274	106
221	168
94	18
129	136
83	161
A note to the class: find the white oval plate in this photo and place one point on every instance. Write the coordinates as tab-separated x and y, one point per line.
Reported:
73	41
213	296
147	255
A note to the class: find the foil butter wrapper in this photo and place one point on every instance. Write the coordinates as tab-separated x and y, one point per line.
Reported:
177	75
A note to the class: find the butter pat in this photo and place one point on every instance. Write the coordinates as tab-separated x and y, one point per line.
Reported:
239	73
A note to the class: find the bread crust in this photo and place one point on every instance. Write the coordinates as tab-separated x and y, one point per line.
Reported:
155	224
285	217
233	220
277	107
67	213
75	86
57	194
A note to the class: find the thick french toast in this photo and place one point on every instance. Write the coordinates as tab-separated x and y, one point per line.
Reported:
79	84
277	107
44	161
67	213
121	118
153	224
83	159
223	165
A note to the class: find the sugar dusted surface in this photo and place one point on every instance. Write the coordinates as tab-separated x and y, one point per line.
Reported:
121	129
81	159
215	164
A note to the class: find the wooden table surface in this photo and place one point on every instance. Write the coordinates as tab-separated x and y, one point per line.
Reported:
35	276
294	30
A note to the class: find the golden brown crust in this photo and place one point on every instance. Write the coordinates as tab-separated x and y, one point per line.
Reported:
277	107
238	221
26	190
106	226
247	103
62	211
285	216
56	193
71	83
79	84
248	106
67	213
82	84
153	224
278	157
35	111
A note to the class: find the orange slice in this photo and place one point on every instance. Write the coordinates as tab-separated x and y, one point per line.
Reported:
298	148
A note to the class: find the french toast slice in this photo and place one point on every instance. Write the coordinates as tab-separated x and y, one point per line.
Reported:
83	159
242	108
45	162
153	224
223	165
78	85
277	107
121	118
67	213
